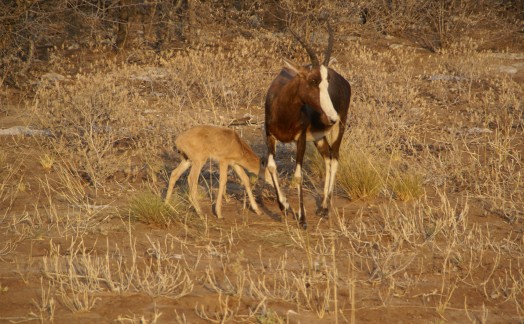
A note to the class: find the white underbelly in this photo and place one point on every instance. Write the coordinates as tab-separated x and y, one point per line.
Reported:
330	134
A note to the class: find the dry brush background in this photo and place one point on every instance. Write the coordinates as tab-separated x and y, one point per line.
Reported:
427	223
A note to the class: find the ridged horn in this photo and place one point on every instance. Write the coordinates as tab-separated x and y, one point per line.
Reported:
329	49
309	50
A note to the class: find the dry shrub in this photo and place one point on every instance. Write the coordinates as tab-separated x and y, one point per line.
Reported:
25	26
436	25
473	144
482	131
100	125
210	81
91	122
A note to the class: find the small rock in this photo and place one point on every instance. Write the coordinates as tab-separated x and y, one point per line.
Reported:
150	74
444	77
73	47
396	46
23	130
254	21
507	69
478	130
52	76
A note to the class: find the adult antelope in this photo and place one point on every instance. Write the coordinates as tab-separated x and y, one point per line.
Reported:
307	103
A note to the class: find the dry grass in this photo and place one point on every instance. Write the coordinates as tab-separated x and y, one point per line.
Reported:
359	177
431	162
150	209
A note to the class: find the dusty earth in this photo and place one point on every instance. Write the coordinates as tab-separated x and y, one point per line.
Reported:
251	268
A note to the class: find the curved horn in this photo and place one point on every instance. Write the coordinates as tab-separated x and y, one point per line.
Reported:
309	50
329	49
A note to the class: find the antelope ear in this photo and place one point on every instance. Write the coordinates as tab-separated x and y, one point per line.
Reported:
292	65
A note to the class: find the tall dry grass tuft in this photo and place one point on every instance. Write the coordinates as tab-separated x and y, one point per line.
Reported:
406	186
150	209
360	176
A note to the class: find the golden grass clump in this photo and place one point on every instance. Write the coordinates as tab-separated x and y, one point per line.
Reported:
46	161
406	186
358	176
149	208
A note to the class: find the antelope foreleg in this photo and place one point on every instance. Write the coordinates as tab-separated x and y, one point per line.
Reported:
272	167
193	185
221	188
175	174
324	150
331	172
245	181
301	149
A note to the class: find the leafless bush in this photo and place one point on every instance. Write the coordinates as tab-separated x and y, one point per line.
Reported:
92	122
26	26
437	24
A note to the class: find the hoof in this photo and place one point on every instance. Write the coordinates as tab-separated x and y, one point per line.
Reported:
323	212
257	211
303	225
290	211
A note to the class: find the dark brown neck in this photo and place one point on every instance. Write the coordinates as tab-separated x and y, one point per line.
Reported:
287	104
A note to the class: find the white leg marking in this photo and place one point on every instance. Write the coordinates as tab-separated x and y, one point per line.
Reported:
272	167
334	167
298	173
299	188
325	99
327	161
298	180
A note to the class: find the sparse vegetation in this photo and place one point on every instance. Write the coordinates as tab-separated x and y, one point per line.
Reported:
427	221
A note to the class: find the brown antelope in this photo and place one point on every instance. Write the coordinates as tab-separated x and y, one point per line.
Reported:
307	103
223	145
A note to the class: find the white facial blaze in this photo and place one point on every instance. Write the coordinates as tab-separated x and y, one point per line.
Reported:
325	100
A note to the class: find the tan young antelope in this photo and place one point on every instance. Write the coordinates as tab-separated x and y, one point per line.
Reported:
307	103
223	145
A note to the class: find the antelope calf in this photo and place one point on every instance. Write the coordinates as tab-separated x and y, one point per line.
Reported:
222	145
